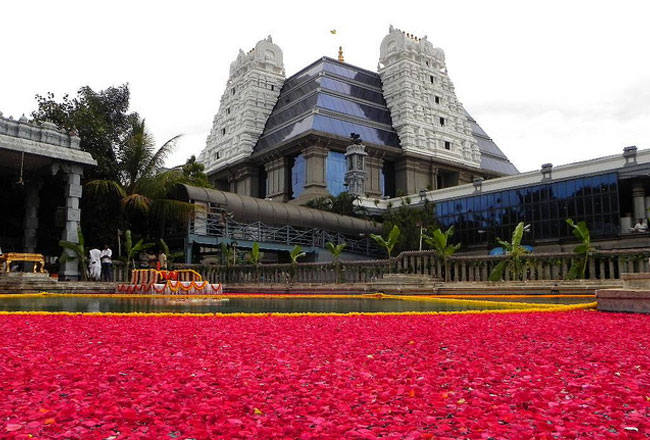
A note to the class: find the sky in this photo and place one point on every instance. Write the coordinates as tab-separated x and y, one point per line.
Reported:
551	81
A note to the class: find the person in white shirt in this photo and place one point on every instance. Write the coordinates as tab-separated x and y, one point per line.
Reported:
641	226
107	263
94	266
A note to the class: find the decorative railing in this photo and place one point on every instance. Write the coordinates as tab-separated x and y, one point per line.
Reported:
215	225
604	265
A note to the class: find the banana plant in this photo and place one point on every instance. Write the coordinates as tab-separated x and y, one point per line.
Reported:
390	242
583	251
132	250
75	251
439	241
255	254
171	257
294	254
335	250
227	255
512	259
254	258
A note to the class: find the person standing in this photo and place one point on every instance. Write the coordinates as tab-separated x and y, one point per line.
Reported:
107	263
162	260
94	266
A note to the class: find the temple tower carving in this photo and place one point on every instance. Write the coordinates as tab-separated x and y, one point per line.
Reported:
251	92
424	108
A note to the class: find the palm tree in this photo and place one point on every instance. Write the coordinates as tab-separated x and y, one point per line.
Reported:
390	243
514	252
75	251
336	250
583	251
142	183
439	241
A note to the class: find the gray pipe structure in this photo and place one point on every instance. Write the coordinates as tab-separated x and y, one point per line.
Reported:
251	209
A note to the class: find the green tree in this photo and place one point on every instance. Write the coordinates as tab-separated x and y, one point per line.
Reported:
193	173
439	241
342	204
100	119
131	250
75	251
390	242
583	251
512	259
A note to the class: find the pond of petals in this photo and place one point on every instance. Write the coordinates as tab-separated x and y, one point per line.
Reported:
500	376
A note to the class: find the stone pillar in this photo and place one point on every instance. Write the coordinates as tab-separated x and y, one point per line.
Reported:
70	270
405	176
434	177
278	178
638	201
31	217
374	166
246	181
316	179
464	178
422	177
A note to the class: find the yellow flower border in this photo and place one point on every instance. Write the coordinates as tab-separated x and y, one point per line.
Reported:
500	307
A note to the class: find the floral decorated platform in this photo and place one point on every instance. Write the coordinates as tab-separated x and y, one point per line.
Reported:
501	376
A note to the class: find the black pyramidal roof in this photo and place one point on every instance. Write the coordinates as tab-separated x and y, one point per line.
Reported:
335	99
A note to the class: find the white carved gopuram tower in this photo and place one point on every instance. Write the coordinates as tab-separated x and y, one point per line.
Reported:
426	114
251	92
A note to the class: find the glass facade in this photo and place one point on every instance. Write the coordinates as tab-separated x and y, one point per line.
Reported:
545	207
298	176
335	173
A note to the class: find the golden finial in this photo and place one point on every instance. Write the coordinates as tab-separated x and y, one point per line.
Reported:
341	59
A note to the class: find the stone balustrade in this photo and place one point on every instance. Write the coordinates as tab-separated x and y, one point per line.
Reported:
605	265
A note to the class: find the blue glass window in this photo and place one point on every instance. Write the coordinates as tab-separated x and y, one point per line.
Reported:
545	207
298	176
335	173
